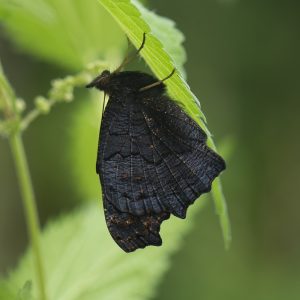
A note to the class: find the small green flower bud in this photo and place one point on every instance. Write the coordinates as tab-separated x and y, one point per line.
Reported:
62	89
69	80
96	66
20	105
42	104
68	97
83	79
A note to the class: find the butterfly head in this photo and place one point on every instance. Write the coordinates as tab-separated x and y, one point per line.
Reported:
101	82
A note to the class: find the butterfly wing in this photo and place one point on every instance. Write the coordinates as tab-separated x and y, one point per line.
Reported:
114	160
131	232
188	166
152	161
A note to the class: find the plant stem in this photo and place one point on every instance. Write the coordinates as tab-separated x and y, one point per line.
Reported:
32	115
8	99
26	188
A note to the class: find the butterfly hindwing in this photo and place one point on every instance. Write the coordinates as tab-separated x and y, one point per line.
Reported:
131	232
152	161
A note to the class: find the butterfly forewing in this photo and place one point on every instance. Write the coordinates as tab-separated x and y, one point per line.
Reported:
153	162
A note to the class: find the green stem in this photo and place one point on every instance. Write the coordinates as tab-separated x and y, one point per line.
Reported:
34	114
7	99
26	188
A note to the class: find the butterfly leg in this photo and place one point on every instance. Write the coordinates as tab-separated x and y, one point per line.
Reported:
147	87
131	57
103	105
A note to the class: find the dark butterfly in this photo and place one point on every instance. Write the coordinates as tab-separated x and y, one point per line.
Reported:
153	160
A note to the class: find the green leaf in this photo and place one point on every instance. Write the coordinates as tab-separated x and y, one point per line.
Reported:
133	23
84	31
68	33
82	262
5	93
26	292
166	32
5	291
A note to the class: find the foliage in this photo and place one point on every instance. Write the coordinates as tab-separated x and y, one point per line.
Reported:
80	30
81	261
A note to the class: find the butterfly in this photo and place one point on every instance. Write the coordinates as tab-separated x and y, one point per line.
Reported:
152	157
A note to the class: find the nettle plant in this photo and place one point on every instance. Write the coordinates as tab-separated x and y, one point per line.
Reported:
74	256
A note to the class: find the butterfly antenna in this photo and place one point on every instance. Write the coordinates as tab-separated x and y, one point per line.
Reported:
131	57
147	87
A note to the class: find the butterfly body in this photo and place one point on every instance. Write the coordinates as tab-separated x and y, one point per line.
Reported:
127	83
152	159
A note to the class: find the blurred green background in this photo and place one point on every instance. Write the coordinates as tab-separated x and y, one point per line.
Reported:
243	64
